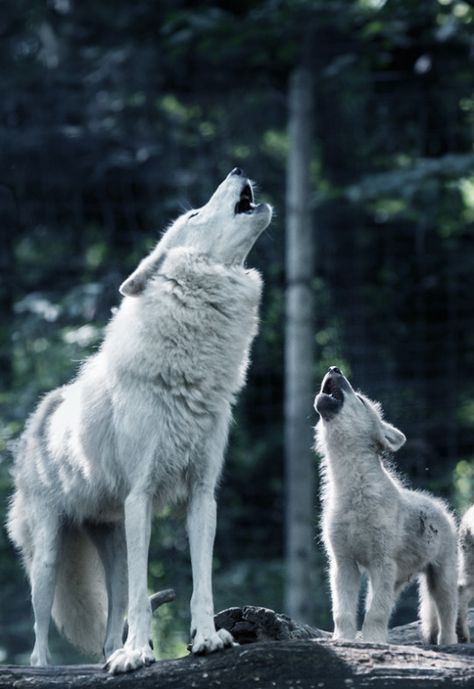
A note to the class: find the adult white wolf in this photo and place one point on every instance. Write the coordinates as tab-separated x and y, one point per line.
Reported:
372	522
144	423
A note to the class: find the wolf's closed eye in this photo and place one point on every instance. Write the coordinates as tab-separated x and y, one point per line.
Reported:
193	215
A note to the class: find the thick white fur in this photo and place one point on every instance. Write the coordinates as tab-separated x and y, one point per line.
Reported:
144	423
466	572
372	523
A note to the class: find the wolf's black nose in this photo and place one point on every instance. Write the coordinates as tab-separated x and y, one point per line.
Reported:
335	369
236	171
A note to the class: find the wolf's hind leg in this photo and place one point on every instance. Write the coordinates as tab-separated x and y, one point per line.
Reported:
442	584
462	626
43	574
109	539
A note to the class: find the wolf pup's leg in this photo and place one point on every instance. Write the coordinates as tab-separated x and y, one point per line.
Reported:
43	574
428	612
443	588
109	539
345	584
136	651
382	583
462	626
465	575
201	524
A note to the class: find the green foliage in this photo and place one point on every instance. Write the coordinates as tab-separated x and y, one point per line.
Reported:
463	478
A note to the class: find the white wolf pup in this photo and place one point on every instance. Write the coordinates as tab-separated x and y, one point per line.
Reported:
466	572
144	423
372	523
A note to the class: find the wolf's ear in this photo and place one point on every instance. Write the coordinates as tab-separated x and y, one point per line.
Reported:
134	285
392	438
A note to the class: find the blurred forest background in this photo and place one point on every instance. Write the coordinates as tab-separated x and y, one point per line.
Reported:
116	116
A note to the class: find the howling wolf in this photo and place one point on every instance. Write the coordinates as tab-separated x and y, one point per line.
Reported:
372	522
145	423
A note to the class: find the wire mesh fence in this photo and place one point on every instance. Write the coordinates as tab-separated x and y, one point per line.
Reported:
94	165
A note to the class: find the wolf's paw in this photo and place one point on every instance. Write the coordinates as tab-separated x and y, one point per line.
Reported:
447	638
127	659
344	635
374	636
40	658
463	635
36	661
214	641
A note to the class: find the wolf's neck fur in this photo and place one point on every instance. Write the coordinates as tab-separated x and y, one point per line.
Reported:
204	316
348	467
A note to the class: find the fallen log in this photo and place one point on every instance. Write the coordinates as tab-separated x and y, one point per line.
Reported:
277	652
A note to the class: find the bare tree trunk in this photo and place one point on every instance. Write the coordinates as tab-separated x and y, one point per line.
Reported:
9	226
299	350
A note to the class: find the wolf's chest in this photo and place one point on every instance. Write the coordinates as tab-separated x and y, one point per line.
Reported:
355	535
202	364
358	522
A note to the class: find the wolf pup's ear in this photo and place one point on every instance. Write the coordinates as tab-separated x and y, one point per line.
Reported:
134	285
392	438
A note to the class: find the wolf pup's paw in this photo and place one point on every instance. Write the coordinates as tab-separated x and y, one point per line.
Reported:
447	638
374	636
128	659
463	635
215	641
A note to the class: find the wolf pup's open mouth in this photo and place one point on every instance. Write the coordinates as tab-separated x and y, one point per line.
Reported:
246	202
332	389
330	399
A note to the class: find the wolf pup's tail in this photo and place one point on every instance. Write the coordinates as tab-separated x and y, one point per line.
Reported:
80	600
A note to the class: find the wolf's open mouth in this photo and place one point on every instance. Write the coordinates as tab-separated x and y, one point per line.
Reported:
245	204
332	389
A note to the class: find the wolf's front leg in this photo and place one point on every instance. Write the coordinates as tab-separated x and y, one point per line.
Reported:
345	584
201	524
382	581
137	650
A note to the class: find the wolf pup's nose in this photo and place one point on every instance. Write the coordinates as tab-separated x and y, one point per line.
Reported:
236	171
335	369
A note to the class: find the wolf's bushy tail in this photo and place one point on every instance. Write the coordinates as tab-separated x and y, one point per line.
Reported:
80	600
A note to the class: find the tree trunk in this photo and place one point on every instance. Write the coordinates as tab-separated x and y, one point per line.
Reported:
299	339
9	222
